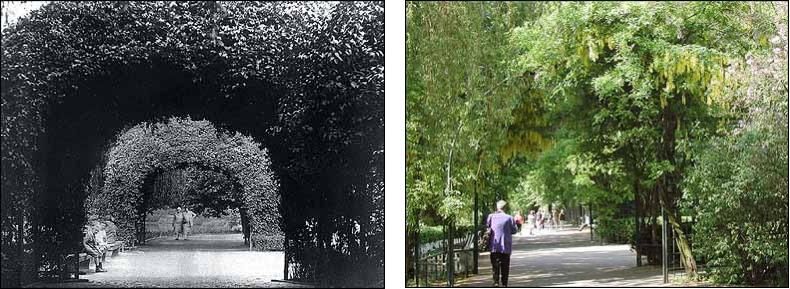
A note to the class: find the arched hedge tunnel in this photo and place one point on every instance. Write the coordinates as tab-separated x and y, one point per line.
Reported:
148	149
305	80
207	190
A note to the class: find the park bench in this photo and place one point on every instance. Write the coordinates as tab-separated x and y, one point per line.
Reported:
84	261
113	249
114	246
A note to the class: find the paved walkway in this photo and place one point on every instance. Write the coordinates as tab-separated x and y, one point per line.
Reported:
202	261
568	258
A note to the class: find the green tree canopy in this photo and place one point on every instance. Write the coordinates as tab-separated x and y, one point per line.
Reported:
647	75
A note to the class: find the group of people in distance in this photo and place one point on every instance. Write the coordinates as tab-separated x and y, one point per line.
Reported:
503	227
539	220
182	222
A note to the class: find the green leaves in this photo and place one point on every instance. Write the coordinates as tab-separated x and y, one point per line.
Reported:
739	179
460	101
639	85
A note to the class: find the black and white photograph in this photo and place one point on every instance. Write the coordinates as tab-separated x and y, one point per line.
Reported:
192	144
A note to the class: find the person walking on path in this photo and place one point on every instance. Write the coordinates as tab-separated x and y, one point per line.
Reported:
188	217
562	217
585	223
531	222
178	222
519	221
556	219
503	227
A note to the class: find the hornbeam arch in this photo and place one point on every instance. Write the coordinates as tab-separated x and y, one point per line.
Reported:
147	148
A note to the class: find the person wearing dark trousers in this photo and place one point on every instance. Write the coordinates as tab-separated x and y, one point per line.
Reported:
503	227
500	264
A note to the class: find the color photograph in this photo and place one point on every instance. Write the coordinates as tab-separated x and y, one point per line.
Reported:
596	144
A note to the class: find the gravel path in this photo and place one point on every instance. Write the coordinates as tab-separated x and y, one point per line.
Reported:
201	261
568	258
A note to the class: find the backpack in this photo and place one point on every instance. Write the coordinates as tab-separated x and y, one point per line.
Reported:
484	239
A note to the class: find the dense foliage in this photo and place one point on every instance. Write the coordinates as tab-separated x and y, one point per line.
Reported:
204	191
627	108
304	79
153	148
459	105
647	76
739	182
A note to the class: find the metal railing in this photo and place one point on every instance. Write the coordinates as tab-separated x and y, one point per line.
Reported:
431	268
675	267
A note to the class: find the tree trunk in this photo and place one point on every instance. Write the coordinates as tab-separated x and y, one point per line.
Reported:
409	256
448	189
683	245
637	223
668	188
245	225
475	214
450	255
417	256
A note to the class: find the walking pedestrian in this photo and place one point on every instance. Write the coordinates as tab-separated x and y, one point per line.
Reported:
585	223
178	222
503	227
519	221
556	219
531	222
188	217
562	216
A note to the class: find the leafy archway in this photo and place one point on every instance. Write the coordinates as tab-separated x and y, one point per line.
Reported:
147	148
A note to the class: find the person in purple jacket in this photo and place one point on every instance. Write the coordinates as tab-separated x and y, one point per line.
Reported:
503	227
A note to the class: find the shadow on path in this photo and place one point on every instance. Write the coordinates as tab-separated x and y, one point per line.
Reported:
568	258
202	261
206	242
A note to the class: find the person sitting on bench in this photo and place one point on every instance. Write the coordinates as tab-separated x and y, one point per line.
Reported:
93	247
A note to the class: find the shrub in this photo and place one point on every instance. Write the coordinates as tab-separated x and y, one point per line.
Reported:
738	185
619	231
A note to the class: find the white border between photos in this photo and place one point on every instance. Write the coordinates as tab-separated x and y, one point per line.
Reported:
395	143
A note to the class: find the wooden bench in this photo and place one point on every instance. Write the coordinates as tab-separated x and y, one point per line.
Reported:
84	263
84	259
115	247
75	263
